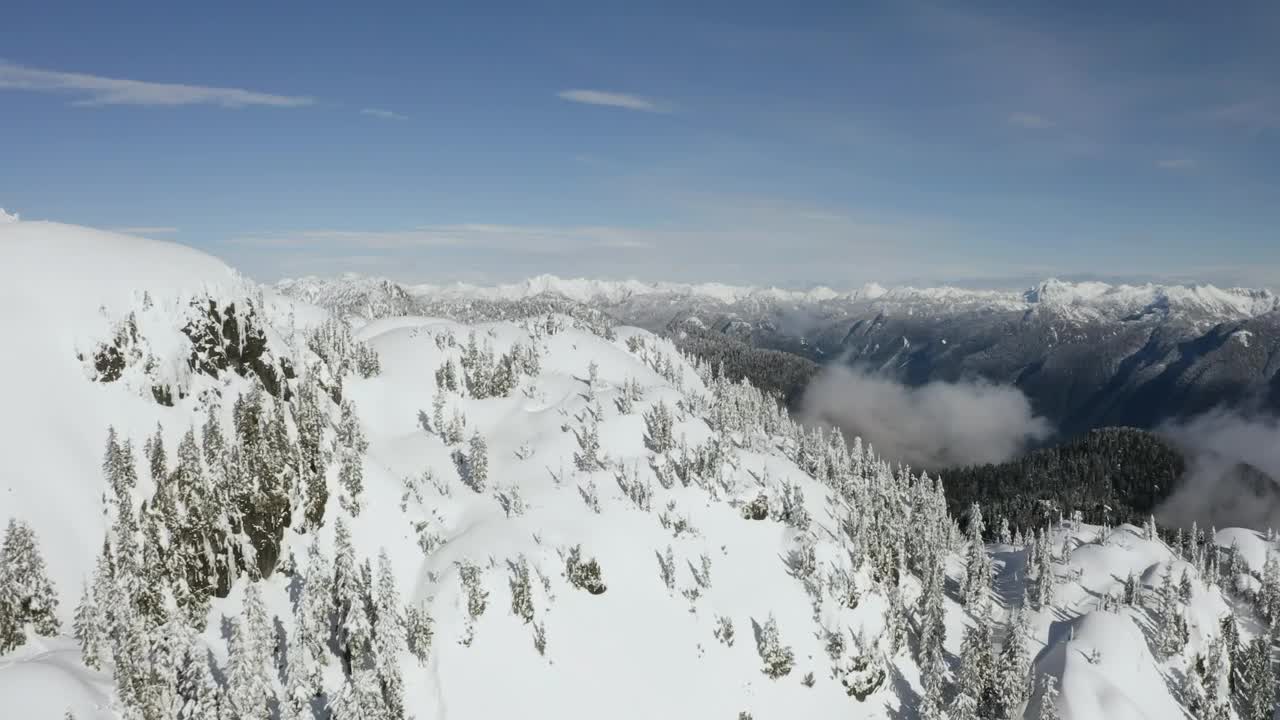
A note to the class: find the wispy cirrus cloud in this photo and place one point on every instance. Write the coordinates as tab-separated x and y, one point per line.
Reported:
146	230
95	90
383	114
1030	120
613	99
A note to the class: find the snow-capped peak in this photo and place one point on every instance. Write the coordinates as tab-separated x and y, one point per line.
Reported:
6	217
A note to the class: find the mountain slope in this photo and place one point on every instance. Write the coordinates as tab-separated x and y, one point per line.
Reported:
565	518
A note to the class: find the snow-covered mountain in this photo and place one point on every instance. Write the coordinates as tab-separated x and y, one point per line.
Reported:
562	517
1086	354
1083	299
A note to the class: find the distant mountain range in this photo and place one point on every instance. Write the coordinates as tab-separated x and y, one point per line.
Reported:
1086	354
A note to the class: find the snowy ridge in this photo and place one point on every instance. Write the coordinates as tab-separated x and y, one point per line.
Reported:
1081	300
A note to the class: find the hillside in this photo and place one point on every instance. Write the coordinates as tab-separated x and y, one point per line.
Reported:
250	508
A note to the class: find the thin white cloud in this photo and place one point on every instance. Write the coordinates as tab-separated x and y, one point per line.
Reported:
147	230
1030	120
611	99
1176	164
94	90
383	114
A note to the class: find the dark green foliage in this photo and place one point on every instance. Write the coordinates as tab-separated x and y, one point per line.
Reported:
773	371
1112	475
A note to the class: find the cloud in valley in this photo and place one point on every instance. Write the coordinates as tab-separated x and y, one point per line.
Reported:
933	426
1233	467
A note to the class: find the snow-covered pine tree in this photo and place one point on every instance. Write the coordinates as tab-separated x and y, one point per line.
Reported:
437	413
477	474
250	666
1184	587
308	644
1259	681
419	632
1049	699
388	640
1170	633
932	614
977	578
359	698
1045	576
455	430
352	630
304	680
313	461
659	425
88	628
977	663
521	590
587	459
1217	696
1012	682
26	594
1131	590
199	695
351	449
778	658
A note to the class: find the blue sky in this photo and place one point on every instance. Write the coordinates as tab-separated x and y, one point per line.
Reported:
766	143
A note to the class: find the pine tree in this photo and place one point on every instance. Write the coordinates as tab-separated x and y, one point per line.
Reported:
250	665
1012	685
419	632
1259	701
359	698
1131	590
1045	576
778	658
88	629
315	607
351	449
1216	695
932	616
477	475
26	595
389	639
314	456
1169	637
588	457
977	665
352	630
437	413
198	692
521	591
308	645
977	568
1049	699
659	425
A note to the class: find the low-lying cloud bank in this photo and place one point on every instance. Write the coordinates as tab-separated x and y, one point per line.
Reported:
933	426
1233	471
